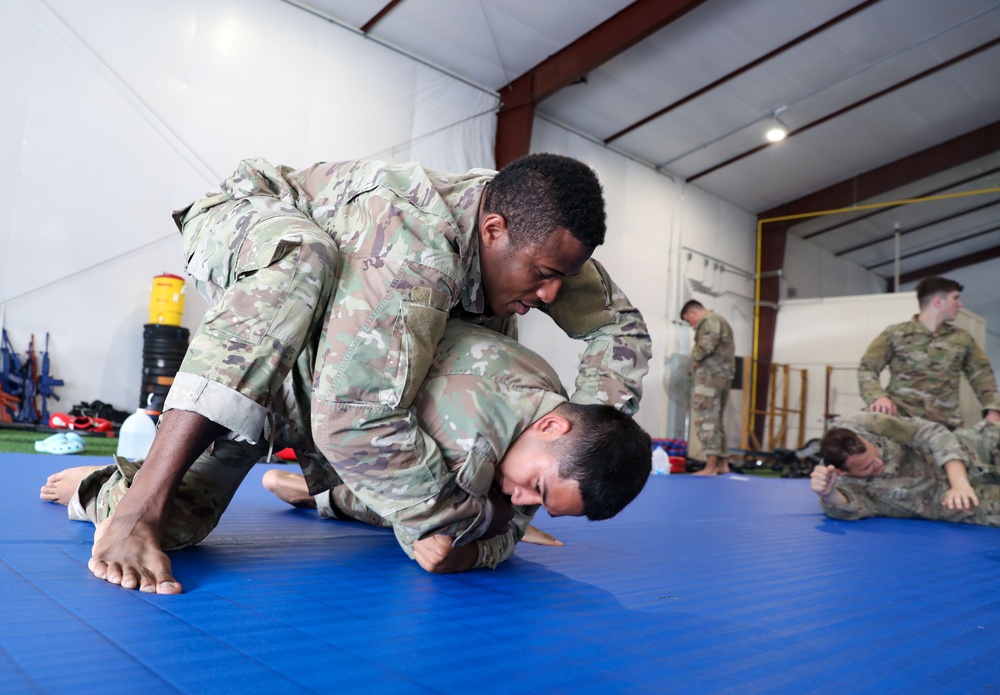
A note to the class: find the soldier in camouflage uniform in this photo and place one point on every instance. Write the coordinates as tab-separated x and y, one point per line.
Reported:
485	402
713	367
336	281
880	465
926	356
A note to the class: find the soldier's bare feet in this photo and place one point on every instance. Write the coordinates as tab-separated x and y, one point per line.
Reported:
290	488
539	537
127	553
60	487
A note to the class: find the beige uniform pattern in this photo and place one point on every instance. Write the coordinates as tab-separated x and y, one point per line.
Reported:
482	390
330	289
925	370
913	482
714	366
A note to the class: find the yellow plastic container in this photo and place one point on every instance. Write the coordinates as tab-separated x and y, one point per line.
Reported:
166	301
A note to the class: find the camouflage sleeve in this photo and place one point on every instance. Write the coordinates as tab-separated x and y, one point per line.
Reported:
706	339
872	363
898	497
938	441
932	438
978	371
591	307
858	505
384	328
497	549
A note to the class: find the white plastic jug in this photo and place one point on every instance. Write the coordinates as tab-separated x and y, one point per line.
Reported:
136	435
661	462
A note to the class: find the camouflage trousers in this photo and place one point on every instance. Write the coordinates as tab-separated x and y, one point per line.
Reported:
268	272
204	493
708	407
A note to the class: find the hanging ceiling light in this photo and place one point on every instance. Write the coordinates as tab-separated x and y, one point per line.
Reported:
778	131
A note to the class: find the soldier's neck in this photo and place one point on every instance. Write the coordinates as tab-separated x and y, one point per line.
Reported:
930	319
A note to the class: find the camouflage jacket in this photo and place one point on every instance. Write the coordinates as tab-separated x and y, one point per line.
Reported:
480	393
410	256
714	353
924	371
913	482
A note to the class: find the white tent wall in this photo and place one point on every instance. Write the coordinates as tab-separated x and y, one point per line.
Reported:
116	113
811	271
660	233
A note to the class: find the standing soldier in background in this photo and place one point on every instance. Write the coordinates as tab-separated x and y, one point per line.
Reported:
925	356
713	366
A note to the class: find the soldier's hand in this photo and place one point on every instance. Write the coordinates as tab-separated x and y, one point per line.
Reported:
437	554
823	480
960	496
883	404
993	415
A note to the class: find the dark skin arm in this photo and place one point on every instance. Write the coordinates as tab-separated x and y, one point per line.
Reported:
127	546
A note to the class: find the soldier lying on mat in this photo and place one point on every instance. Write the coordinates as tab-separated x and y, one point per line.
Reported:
499	415
879	465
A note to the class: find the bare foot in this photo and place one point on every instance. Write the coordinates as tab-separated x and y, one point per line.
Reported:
290	488
127	553
60	487
539	537
705	471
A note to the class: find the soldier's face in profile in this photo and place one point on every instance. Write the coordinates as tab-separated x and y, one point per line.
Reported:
518	279
950	305
692	317
866	464
529	471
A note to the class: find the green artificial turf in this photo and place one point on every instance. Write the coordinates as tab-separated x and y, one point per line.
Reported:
23	441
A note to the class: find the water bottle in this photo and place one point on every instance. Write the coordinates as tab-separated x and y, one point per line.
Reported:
661	462
136	435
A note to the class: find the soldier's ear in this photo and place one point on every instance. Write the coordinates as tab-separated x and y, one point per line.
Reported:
493	230
553	425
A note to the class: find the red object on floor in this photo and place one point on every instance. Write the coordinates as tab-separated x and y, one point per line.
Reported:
678	464
79	422
287	454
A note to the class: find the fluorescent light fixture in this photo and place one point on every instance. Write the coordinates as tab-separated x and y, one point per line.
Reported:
778	131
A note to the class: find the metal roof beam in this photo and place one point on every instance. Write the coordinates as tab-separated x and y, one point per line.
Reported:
850	107
739	71
571	64
919	165
954	264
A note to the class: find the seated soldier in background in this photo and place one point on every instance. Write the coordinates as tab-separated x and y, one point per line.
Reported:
926	357
501	418
879	465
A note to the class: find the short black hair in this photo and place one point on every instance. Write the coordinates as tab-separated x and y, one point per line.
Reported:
689	305
932	285
608	454
838	445
539	193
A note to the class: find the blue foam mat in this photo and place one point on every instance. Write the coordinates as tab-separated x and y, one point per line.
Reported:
728	585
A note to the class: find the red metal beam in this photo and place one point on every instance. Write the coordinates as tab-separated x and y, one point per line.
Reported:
955	263
370	24
619	33
746	68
